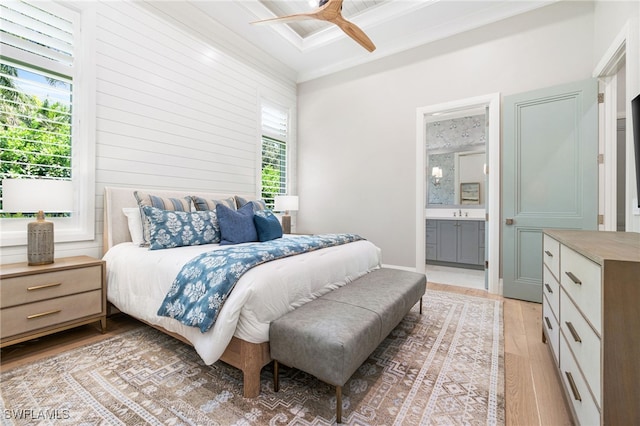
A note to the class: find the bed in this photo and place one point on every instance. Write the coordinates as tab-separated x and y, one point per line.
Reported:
138	280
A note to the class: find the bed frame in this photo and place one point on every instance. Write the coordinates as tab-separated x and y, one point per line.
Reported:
246	356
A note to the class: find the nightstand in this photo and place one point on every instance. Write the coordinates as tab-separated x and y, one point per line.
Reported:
40	300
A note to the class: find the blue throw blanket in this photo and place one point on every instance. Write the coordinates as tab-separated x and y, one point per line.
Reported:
204	283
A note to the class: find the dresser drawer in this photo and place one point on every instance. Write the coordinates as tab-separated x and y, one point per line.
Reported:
584	344
31	288
583	404
551	290
550	325
46	313
581	278
551	255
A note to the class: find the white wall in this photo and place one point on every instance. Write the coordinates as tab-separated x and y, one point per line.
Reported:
356	129
172	112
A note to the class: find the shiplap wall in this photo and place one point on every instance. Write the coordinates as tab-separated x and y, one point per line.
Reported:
173	112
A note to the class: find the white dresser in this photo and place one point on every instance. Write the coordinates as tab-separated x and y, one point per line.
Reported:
591	321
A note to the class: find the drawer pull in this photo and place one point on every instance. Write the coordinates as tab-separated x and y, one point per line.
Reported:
573	278
43	314
548	288
548	253
40	287
573	331
574	389
548	323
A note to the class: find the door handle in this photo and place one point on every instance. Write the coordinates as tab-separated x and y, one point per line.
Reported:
508	221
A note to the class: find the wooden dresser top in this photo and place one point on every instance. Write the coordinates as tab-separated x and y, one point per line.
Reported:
600	246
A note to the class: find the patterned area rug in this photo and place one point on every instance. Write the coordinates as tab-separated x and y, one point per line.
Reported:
445	366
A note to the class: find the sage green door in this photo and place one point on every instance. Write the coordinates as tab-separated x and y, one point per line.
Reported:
549	176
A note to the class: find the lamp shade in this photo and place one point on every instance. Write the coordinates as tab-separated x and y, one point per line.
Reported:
33	195
284	203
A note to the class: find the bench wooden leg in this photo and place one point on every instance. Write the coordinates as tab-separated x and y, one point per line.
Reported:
276	383
338	404
421	306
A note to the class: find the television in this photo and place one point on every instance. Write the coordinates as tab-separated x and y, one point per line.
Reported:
635	116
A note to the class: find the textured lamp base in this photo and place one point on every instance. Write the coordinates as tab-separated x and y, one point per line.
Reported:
286	224
40	241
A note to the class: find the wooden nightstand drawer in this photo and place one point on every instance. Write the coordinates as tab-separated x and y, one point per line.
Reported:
51	312
47	285
37	300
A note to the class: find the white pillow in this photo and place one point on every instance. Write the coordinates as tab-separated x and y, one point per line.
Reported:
135	224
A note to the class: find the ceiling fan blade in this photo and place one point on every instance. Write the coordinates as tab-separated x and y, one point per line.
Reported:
287	18
353	31
329	10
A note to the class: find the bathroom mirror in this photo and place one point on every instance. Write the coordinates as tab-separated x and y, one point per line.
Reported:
456	158
456	178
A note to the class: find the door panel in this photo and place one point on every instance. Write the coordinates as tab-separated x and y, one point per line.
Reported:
549	176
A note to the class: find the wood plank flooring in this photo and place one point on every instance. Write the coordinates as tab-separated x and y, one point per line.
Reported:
533	395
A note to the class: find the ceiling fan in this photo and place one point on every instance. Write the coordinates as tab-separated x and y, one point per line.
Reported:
330	11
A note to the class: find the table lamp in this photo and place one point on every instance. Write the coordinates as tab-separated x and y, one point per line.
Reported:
38	196
286	203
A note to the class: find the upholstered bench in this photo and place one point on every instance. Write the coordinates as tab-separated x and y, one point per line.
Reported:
330	337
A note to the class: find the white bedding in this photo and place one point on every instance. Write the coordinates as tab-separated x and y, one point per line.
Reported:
139	278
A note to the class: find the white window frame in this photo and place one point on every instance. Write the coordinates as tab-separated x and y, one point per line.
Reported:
81	225
285	138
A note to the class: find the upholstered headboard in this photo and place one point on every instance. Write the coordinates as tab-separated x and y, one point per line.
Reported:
116	229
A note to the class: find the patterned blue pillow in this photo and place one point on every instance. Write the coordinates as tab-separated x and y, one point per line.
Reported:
236	226
169	229
163	203
267	225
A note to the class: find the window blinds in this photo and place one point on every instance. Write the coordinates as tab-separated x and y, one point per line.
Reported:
275	128
37	43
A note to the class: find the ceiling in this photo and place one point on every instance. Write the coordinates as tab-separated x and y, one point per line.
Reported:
314	48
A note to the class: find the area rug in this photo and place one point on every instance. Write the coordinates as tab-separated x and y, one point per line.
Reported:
445	366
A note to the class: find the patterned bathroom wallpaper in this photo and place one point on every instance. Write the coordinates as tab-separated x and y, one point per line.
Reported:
457	134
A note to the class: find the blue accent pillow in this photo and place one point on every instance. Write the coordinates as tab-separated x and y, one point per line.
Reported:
267	225
236	226
169	229
162	203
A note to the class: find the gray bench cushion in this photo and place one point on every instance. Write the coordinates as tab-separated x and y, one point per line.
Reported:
330	337
327	349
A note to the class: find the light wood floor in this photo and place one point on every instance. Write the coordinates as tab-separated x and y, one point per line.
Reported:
532	387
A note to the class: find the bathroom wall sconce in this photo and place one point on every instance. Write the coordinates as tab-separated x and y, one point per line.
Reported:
436	175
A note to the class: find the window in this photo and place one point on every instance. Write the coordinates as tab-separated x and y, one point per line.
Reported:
274	152
47	122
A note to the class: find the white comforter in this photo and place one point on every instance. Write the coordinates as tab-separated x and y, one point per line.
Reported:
139	278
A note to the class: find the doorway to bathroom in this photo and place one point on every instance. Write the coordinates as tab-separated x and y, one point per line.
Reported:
456	238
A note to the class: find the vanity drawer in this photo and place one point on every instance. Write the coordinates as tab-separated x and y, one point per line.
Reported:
551	255
552	330
581	279
584	344
32	288
551	290
47	313
584	406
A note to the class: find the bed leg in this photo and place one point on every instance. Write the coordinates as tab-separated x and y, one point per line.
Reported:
251	383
